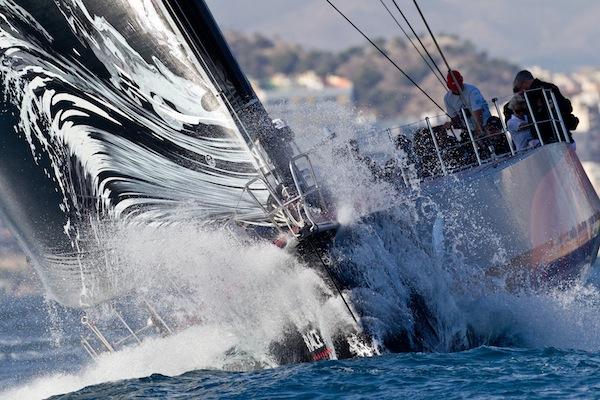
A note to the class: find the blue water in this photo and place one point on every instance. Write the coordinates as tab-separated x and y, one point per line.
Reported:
32	343
39	361
483	372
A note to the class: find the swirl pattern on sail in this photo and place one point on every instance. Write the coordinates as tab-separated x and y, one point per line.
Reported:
121	118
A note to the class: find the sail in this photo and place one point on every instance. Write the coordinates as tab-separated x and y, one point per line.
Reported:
117	111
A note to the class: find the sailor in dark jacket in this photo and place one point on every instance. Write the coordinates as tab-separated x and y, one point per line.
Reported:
524	81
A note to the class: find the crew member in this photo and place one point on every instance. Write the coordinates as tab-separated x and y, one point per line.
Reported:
518	125
464	95
525	82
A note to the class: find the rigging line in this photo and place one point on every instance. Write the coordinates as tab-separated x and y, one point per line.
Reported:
460	90
383	53
432	35
333	280
418	38
413	43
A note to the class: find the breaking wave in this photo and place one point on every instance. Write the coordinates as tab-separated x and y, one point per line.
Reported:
244	295
236	295
244	292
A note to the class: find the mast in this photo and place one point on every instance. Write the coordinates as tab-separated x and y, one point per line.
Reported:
206	40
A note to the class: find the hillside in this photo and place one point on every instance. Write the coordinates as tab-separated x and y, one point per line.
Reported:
558	35
377	84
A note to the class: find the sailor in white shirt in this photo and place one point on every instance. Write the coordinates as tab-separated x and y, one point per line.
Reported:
464	95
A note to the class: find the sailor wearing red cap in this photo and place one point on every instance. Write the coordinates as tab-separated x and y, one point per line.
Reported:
464	95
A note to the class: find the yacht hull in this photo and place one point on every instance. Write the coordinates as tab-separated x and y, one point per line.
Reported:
537	213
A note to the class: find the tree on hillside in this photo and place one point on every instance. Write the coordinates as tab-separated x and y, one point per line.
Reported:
378	85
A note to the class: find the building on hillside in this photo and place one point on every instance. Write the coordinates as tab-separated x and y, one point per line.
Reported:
285	92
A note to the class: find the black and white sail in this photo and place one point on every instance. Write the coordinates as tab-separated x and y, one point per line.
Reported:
119	111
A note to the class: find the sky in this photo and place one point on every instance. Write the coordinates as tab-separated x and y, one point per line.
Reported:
559	35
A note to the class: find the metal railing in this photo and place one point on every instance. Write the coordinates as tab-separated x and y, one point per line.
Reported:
446	147
303	211
97	342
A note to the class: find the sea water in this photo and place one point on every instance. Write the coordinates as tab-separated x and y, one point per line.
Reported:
551	350
538	344
531	345
487	343
490	343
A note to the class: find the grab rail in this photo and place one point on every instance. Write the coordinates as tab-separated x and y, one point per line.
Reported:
296	212
97	342
485	148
